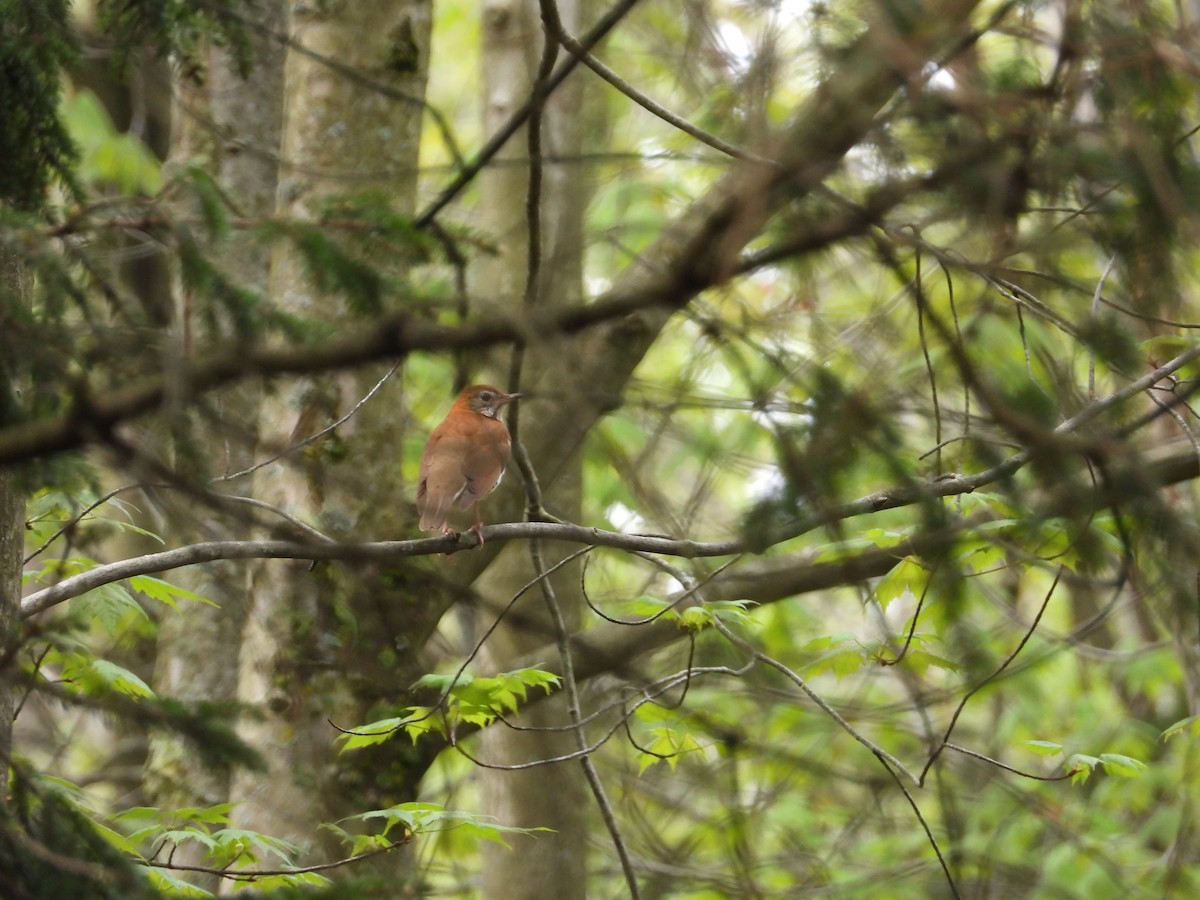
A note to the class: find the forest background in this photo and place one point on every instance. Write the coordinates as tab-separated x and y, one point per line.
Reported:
850	544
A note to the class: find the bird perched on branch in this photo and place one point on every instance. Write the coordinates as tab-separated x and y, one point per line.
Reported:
464	458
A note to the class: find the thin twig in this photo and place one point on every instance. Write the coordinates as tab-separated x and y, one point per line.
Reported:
251	876
78	517
318	435
990	678
542	86
505	133
796	679
1008	768
440	705
574	47
928	831
574	711
892	765
918	285
912	630
1095	306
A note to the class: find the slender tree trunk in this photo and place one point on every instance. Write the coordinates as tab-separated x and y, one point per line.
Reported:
553	865
12	533
328	642
12	541
235	124
14	283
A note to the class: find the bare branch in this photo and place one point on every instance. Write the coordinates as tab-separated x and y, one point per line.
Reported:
996	674
1170	469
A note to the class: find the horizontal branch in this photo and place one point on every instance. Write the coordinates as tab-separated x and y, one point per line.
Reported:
611	647
1178	465
381	551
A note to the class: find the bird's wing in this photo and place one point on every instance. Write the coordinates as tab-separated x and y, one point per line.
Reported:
441	478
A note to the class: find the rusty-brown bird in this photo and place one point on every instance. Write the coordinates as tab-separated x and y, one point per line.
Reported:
464	458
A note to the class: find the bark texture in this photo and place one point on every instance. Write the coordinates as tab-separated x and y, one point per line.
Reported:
233	125
15	283
332	643
552	865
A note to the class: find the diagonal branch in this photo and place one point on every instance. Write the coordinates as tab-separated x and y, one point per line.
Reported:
387	338
702	248
699	250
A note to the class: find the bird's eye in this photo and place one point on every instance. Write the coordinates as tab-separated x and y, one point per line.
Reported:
486	396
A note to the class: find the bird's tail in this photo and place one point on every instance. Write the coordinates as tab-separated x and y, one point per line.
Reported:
433	514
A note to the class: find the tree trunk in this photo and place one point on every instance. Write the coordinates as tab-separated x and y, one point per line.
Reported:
12	512
330	643
234	123
14	283
12	542
552	865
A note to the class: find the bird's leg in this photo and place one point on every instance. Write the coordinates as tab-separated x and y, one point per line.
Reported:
477	528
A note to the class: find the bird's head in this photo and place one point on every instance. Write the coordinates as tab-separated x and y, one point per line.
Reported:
485	399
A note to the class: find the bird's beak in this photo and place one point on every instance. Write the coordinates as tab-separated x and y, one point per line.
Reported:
508	398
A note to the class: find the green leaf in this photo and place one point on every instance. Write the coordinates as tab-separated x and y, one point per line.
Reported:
137	813
908	576
129	526
1124	766
118	840
1042	748
1191	725
668	745
174	886
534	677
980	555
826	641
110	605
234	846
371	734
695	618
269	883
735	611
1082	766
988	502
441	683
646	607
121	679
90	675
419	817
919	660
653	712
165	592
841	663
477	701
180	836
109	157
216	815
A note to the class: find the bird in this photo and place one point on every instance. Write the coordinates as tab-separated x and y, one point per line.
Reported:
464	458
